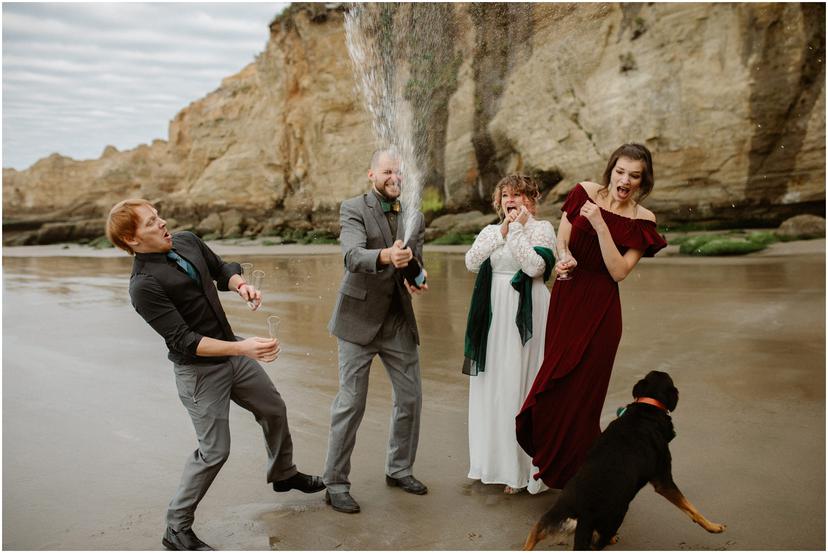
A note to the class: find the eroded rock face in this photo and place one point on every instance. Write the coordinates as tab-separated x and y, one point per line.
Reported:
729	97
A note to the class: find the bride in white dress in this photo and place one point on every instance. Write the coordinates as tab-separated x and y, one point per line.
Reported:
496	394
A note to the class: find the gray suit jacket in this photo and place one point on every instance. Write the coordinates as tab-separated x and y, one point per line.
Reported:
365	292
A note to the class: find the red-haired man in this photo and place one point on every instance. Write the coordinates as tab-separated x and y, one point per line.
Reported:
173	287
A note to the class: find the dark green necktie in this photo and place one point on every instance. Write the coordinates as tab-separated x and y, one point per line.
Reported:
186	265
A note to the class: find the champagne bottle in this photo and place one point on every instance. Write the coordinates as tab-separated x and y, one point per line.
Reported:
414	273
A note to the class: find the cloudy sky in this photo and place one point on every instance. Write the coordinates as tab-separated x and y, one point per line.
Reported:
78	77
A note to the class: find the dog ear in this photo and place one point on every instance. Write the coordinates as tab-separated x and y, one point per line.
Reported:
672	399
641	388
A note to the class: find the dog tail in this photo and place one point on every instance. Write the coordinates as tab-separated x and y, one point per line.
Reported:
556	520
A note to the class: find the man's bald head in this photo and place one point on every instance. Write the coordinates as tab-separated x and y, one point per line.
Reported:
379	154
384	173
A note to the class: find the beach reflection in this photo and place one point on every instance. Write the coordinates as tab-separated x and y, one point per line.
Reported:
671	301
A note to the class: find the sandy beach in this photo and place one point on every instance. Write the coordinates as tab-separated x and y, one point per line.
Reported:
94	436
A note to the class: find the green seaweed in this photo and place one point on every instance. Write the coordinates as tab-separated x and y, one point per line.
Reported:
729	246
733	242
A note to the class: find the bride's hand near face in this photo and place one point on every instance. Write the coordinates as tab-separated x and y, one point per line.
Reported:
522	216
508	217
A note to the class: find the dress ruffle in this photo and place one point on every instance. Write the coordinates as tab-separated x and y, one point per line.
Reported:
644	235
574	201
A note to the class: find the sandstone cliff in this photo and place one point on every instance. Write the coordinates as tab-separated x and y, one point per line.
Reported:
729	97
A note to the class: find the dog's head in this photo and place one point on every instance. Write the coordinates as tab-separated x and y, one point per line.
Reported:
657	385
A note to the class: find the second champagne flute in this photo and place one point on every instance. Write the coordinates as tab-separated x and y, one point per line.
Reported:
256	280
273	323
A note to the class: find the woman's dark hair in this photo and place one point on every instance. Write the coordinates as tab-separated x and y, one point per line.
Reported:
637	152
519	184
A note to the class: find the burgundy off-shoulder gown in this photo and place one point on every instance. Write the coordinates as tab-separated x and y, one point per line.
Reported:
560	417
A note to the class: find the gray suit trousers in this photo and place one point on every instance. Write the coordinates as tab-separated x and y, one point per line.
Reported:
206	391
397	349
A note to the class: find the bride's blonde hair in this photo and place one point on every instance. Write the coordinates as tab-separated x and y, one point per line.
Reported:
520	184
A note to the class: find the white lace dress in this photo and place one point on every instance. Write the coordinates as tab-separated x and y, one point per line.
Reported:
496	395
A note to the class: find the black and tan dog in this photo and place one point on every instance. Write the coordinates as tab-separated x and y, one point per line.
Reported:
629	453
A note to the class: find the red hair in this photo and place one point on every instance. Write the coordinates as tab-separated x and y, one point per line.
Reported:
123	221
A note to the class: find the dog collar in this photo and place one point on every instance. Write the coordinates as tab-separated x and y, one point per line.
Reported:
651	401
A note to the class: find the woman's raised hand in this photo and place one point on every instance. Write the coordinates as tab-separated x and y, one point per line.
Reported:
523	215
504	226
593	214
511	216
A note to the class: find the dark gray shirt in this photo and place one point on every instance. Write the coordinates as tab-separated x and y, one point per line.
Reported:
174	305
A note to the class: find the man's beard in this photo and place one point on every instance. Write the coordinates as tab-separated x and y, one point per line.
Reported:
382	188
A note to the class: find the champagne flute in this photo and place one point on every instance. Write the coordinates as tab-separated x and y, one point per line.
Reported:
563	255
256	281
273	323
247	268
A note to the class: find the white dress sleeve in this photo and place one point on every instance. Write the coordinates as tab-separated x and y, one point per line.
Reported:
484	245
523	238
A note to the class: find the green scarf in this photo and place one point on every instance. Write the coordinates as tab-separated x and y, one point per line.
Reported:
480	311
477	324
523	284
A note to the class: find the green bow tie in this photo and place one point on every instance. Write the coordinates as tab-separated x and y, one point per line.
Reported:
390	206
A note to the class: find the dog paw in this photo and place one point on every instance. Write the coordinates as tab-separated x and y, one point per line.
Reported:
716	528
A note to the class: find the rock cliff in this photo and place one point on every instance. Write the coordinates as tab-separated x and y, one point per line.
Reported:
729	97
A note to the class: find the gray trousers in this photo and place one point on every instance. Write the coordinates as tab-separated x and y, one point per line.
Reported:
206	391
398	351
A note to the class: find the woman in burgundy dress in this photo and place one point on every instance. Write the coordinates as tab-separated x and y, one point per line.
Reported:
607	231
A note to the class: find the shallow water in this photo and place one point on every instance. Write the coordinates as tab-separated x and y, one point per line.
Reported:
94	437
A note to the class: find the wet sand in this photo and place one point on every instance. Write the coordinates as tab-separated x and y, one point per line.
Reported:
94	437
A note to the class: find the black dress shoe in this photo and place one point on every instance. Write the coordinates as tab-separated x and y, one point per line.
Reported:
342	502
185	540
408	484
302	482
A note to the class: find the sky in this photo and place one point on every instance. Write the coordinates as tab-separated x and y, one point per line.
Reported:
78	77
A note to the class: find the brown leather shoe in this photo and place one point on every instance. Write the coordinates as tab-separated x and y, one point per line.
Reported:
342	502
408	484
